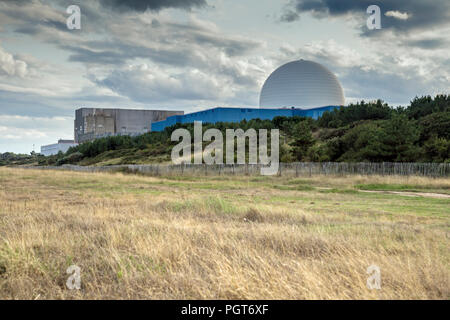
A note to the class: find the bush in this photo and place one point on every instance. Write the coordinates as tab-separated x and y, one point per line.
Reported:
70	159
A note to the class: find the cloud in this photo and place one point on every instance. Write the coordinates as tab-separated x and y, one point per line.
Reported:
135	54
402	16
114	38
289	16
397	15
20	133
31	15
196	56
11	66
154	5
373	85
121	39
396	79
428	44
152	84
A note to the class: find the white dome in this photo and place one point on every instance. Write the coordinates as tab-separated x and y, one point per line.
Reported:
301	84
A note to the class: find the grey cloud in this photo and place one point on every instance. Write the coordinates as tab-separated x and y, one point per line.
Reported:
33	29
33	17
116	54
196	49
172	43
24	104
370	79
422	14
89	56
184	57
133	5
46	17
231	47
17	1
154	5
34	105
290	16
29	30
156	23
395	88
375	84
150	84
429	44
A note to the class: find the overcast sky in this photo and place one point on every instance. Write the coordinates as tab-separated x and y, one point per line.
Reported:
195	54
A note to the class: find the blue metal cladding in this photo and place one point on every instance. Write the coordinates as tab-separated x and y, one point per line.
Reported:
237	115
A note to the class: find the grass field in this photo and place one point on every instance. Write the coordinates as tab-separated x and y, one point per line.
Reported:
222	238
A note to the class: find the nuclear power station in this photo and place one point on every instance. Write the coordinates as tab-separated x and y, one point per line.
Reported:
93	123
301	84
298	88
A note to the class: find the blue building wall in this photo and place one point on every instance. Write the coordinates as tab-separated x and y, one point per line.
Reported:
237	115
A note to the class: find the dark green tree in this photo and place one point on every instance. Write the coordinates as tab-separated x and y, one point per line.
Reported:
302	140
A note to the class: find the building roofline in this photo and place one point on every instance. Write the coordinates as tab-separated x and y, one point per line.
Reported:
258	108
84	108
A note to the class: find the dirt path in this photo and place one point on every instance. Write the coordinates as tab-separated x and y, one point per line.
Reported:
403	193
412	194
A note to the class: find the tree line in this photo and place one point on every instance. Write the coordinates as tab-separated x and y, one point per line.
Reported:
359	132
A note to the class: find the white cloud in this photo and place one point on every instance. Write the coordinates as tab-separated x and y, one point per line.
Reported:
151	83
398	15
11	66
20	133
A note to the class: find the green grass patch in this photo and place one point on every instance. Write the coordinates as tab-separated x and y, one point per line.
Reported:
401	187
293	187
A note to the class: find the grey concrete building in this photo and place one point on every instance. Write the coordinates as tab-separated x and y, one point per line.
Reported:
93	123
62	145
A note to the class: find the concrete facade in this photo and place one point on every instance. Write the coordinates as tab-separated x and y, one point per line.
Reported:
62	145
237	115
93	123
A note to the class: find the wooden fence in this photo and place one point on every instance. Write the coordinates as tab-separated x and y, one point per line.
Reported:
285	169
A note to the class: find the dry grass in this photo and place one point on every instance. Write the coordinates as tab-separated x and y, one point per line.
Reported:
219	238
